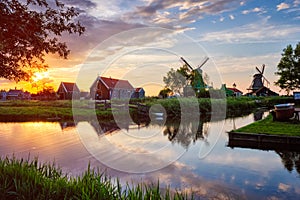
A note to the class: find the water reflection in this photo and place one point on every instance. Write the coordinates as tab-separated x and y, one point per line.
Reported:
67	125
239	173
259	114
290	160
186	133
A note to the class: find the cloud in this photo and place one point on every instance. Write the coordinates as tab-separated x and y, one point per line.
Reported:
296	3
80	3
254	10
157	12
282	6
260	31
231	17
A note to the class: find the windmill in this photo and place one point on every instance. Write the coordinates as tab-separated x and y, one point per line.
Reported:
259	80
198	83
258	87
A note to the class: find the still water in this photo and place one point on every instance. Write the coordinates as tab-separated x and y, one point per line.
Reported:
187	155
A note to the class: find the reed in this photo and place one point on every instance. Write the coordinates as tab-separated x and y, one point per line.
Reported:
30	179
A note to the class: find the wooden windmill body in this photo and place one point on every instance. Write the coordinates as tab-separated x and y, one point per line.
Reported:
258	87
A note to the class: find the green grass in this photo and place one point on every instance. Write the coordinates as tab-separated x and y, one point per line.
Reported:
24	179
41	110
268	126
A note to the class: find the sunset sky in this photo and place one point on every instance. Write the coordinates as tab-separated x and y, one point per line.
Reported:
140	40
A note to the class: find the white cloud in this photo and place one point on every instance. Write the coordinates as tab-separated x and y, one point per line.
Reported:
231	17
259	31
222	19
296	3
282	6
254	10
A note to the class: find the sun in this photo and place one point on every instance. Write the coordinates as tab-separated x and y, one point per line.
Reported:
39	76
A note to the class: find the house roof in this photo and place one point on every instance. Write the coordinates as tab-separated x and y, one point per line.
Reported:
265	90
235	90
70	87
12	92
116	83
138	89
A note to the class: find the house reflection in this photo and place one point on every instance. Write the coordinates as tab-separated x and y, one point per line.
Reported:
67	125
183	133
101	126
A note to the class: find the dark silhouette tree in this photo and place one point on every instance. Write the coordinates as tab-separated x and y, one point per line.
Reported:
28	31
289	69
165	92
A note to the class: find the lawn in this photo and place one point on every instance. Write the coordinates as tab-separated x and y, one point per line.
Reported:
268	126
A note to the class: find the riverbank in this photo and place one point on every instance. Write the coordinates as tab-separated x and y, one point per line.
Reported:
23	179
270	127
63	110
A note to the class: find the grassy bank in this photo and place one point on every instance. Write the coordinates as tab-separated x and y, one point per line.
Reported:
42	110
22	179
268	126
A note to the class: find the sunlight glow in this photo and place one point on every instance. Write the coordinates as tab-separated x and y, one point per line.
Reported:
39	76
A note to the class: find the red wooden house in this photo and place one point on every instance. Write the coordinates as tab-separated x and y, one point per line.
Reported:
68	91
109	88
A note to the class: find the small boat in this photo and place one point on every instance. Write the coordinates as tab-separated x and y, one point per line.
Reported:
158	114
284	111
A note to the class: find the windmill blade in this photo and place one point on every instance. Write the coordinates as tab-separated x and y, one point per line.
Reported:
186	63
258	70
263	69
266	80
203	62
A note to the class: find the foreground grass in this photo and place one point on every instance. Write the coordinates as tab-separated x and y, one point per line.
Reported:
268	126
23	179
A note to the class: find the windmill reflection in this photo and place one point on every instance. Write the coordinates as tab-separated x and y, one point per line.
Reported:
185	133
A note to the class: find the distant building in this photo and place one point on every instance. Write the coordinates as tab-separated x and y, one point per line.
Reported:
27	95
263	91
236	92
3	94
68	91
296	95
109	88
14	94
226	90
139	93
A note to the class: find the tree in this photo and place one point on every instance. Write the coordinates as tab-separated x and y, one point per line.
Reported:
165	92
28	31
179	80
289	69
176	80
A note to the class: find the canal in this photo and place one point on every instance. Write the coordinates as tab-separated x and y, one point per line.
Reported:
188	156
